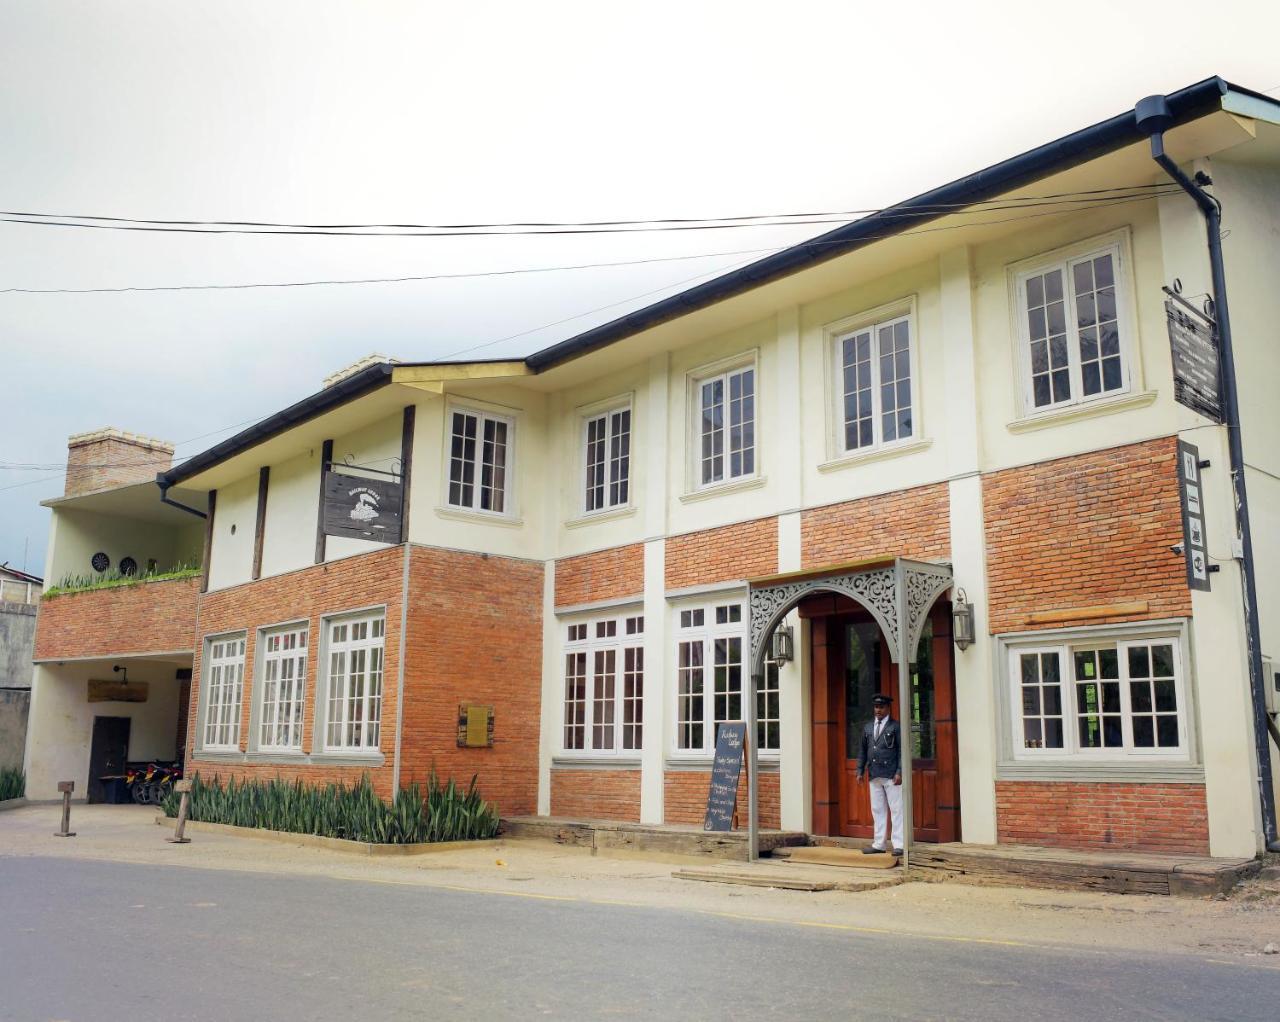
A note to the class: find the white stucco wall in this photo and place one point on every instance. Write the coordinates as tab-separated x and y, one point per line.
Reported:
75	536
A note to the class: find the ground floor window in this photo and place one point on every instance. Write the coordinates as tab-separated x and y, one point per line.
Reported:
711	642
604	685
1102	698
284	672
354	705
224	688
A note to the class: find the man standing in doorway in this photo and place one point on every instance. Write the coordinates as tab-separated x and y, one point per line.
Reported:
880	758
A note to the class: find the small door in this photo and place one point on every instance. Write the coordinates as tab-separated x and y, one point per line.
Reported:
107	754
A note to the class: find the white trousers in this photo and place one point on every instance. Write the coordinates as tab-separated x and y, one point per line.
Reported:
885	797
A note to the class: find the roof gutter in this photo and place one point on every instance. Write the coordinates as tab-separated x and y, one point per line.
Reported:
358	384
1069	151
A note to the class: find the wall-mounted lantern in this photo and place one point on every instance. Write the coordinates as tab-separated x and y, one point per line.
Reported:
961	621
782	646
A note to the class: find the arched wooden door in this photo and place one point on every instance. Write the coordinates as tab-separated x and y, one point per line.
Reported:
850	665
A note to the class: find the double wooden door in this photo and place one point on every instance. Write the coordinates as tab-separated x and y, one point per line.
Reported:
851	665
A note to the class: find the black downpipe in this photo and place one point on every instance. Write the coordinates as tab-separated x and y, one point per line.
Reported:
164	499
1153	117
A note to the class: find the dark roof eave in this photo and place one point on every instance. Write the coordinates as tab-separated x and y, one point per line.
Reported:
1061	154
356	385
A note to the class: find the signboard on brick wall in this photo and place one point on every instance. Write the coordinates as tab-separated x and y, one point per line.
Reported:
362	508
1195	545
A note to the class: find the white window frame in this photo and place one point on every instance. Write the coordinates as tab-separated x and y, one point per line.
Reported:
706	634
872	321
267	659
583	639
483	414
1117	245
329	698
223	716
695	380
1080	640
612	479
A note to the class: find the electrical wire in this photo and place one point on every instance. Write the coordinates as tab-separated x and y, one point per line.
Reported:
563	223
539	230
813	242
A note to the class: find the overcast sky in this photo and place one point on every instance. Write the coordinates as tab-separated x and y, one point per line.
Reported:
382	112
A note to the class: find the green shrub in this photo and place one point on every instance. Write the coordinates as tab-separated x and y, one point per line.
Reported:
444	813
13	784
115	578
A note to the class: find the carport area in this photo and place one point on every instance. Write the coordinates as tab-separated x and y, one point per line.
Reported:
91	720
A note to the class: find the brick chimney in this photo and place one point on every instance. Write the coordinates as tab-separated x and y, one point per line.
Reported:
110	457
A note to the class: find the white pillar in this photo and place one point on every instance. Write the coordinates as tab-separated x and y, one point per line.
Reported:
652	756
552	689
795	766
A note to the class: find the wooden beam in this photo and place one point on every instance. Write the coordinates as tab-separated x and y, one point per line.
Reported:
406	467
260	525
1042	617
326	456
208	541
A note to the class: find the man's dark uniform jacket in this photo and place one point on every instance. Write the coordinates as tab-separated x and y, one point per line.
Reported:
880	757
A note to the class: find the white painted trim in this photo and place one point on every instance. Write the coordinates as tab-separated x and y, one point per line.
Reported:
722	489
897	449
613	514
1085	410
570	761
486	517
404	628
600	605
710	590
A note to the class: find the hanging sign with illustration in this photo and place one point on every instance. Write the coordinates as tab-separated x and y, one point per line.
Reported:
362	508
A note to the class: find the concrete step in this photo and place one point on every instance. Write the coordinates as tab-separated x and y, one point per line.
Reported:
790	877
849	858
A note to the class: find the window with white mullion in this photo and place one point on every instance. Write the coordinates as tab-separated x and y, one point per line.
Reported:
608	460
354	719
727	426
479	461
876	399
711	668
223	693
604	686
284	669
1121	698
1070	323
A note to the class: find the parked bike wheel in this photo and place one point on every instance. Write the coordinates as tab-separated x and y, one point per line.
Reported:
138	791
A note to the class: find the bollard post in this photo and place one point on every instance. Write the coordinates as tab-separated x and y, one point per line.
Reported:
183	788
66	787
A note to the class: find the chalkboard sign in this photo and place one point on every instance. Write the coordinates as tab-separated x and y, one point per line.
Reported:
725	770
362	508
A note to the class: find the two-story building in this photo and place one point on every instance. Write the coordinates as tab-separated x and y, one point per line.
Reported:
975	385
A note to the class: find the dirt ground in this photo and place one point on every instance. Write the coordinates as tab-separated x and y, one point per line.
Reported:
1236	928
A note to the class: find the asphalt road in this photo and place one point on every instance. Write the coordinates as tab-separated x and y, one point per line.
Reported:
83	940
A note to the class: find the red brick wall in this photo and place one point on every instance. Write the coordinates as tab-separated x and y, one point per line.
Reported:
908	523
1086	531
603	575
475	635
745	550
1130	817
148	617
596	794
685	798
348	584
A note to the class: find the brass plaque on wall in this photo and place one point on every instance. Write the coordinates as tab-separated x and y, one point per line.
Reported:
475	726
118	691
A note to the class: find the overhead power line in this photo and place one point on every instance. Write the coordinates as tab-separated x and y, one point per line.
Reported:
814	242
517	229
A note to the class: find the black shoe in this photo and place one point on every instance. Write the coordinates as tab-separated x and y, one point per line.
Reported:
872	851
898	852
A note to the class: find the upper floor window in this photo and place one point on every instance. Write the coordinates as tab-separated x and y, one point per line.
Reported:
284	674
479	459
710	661
876	397
224	689
726	427
1101	699
354	706
1072	339
604	685
608	460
